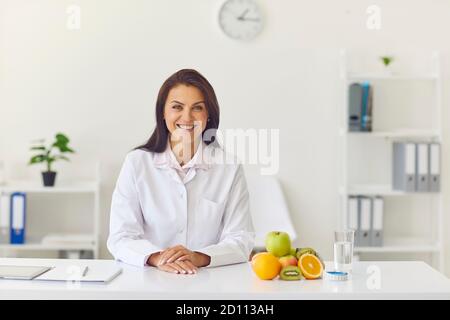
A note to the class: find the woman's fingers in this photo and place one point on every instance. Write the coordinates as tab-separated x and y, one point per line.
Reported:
185	257
161	260
168	268
179	268
184	266
177	255
192	257
177	259
190	265
165	255
169	253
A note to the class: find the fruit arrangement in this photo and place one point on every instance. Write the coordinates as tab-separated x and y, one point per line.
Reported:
289	263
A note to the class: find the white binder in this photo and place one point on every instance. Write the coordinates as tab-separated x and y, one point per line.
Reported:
18	212
4	217
353	217
404	166
434	165
377	222
422	167
365	222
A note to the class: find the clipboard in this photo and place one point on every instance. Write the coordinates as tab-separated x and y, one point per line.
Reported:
13	272
74	273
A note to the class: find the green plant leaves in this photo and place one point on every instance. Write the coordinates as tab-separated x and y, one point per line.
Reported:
61	143
37	159
62	138
62	147
387	60
38	148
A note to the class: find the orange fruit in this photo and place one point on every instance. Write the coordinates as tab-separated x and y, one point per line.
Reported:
266	266
255	255
310	266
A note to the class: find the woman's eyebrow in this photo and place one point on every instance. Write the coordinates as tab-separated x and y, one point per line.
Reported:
199	102
177	102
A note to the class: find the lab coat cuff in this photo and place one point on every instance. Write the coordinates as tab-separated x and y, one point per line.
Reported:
222	255
138	251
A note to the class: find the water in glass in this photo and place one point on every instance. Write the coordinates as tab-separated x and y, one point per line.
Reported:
343	254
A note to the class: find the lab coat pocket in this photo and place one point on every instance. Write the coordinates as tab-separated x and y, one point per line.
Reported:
209	217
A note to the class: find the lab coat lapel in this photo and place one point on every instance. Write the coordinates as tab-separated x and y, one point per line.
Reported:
190	175
162	161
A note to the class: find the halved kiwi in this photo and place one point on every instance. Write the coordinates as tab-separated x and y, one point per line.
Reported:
291	273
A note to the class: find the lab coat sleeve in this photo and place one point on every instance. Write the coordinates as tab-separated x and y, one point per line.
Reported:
126	240
238	236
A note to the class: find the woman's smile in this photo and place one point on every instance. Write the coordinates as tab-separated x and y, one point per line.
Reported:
187	127
185	112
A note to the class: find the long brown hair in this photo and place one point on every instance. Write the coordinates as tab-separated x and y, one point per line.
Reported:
158	140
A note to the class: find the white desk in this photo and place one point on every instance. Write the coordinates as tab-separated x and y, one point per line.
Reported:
398	280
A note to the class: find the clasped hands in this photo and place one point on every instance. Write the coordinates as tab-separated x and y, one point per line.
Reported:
178	259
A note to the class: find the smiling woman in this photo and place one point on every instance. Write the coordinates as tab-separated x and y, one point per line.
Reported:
186	116
176	205
197	89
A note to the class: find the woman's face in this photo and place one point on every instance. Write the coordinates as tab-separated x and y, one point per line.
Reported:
185	113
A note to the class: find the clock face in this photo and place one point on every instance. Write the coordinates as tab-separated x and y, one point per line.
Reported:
240	19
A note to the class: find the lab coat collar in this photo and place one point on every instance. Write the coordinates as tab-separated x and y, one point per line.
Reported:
200	160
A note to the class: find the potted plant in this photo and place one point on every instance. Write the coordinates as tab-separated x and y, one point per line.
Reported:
387	61
46	155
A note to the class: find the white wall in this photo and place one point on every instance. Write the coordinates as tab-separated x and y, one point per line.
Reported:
99	84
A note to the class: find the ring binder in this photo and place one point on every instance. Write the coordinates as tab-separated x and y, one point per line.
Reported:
422	167
18	210
434	167
404	167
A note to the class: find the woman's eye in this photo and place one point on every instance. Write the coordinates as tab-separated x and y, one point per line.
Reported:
176	107
198	108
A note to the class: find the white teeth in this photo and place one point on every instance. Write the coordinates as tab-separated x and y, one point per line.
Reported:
185	127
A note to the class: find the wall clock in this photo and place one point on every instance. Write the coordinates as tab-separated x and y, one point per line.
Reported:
240	19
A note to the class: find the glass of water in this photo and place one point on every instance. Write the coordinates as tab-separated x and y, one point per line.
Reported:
343	249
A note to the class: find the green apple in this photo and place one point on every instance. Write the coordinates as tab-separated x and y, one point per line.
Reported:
278	243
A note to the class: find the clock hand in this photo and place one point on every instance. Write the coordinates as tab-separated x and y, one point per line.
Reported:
241	17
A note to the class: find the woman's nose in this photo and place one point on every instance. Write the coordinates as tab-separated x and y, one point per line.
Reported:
187	116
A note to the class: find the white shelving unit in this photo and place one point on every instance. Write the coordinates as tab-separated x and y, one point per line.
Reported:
63	188
393	244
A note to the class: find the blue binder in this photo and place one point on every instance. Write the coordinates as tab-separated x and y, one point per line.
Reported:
364	106
18	213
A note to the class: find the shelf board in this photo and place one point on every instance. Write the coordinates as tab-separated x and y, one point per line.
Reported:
35	242
398	245
382	190
393	76
399	134
54	247
62	187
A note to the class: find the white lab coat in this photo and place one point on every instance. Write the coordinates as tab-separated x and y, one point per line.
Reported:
153	208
